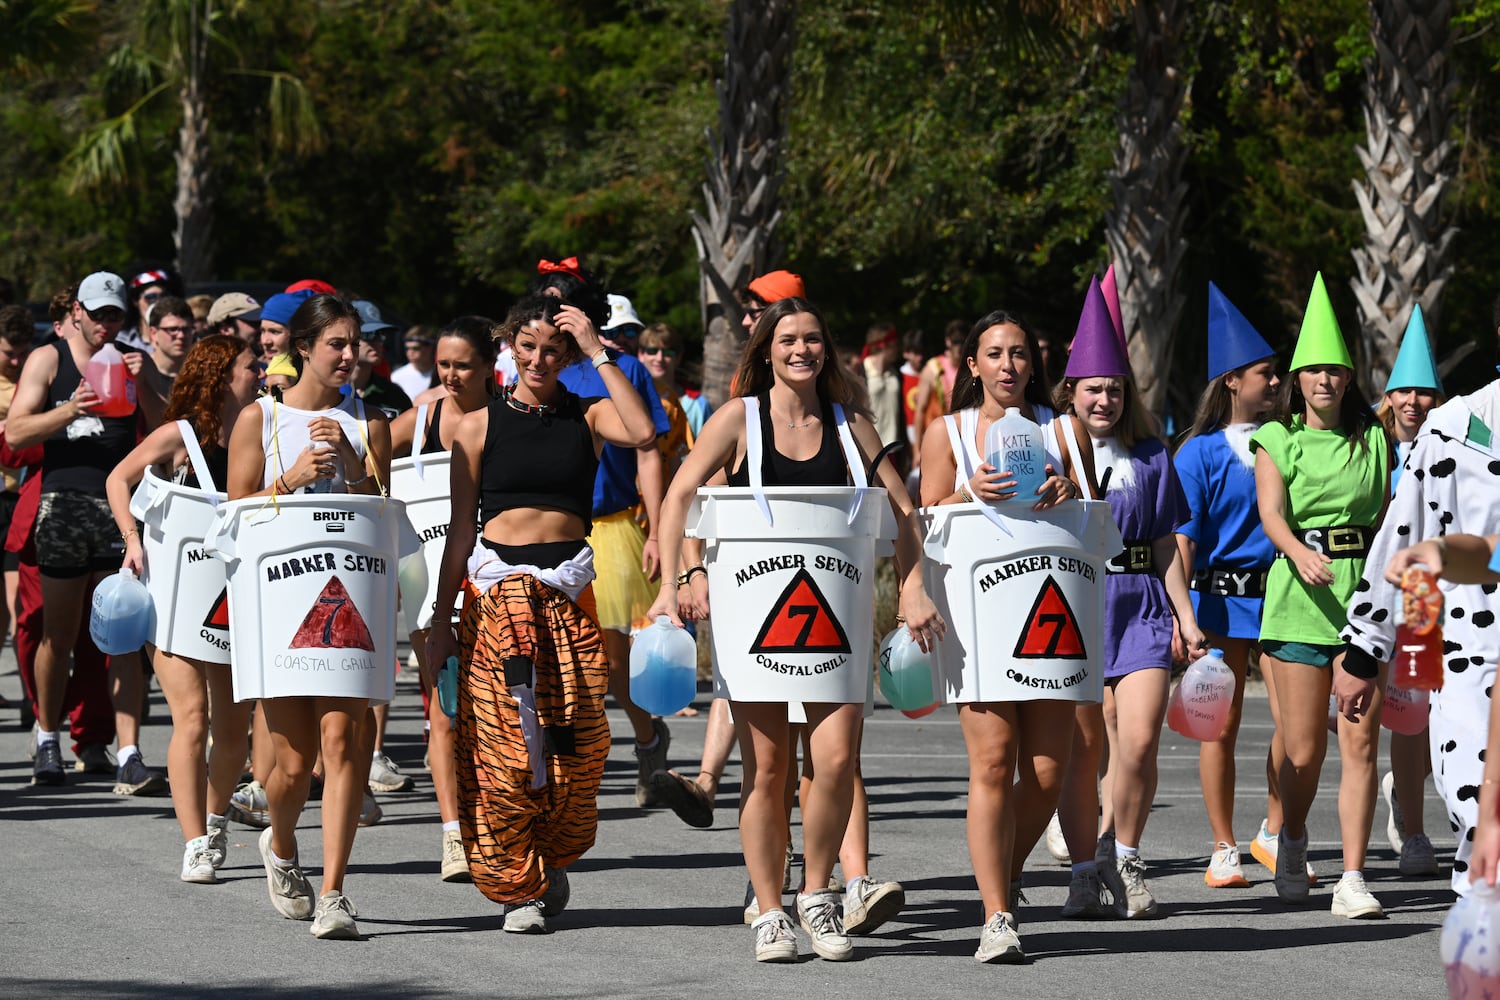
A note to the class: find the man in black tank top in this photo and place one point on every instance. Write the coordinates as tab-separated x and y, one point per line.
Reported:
77	542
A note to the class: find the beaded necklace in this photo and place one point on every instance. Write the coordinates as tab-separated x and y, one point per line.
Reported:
535	409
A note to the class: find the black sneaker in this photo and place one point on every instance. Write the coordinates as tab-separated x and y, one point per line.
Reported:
95	758
48	769
134	778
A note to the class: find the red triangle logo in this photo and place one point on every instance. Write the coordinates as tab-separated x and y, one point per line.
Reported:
333	622
801	622
1051	631
218	615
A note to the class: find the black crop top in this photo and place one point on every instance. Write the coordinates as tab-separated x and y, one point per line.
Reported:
826	468
432	438
538	460
217	459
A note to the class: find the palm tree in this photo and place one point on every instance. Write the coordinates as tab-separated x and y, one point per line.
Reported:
166	48
1145	229
1404	259
35	34
737	239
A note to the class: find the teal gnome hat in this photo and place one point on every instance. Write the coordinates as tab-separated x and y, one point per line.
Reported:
1415	367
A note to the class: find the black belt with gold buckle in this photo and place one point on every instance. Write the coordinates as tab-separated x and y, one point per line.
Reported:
1347	541
1137	558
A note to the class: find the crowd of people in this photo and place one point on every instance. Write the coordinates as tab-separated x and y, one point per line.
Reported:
575	447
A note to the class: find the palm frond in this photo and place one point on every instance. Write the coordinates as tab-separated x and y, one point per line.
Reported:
35	34
104	153
294	116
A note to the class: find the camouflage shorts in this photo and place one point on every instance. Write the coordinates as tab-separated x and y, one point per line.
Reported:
76	535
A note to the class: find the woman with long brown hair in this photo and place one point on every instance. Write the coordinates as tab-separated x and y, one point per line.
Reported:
217	380
790	371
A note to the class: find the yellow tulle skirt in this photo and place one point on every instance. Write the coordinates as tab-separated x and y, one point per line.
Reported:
621	590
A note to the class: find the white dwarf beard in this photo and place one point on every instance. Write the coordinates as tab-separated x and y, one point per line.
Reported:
1237	436
1110	457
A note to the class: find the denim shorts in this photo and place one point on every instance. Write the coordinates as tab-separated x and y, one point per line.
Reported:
1312	654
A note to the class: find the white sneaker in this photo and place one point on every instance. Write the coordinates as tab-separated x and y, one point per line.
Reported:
369	810
1417	856
1085	897
775	939
1351	899
334	918
218	840
525	918
455	859
752	904
1395	833
197	864
1291	862
291	892
820	913
1134	901
998	941
248	806
1224	871
868	904
386	776
1057	846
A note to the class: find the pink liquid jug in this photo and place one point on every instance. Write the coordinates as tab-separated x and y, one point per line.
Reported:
1404	710
1206	696
106	375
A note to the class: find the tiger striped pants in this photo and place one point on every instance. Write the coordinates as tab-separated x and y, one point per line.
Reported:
513	834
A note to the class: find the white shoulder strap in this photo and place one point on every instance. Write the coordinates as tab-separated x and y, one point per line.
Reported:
1083	474
962	472
852	457
418	440
754	447
961	433
195	455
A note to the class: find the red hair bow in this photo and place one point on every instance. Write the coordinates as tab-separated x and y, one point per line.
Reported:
568	265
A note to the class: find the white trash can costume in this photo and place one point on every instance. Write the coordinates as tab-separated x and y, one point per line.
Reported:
187	585
423	484
1022	592
791	580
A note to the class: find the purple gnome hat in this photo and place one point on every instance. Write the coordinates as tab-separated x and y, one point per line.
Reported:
1096	348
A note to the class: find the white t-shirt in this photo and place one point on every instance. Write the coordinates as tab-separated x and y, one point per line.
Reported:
413	381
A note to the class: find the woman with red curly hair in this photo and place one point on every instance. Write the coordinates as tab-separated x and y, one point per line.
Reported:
218	378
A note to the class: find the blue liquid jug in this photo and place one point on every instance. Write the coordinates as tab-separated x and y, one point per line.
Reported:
663	668
122	615
1014	444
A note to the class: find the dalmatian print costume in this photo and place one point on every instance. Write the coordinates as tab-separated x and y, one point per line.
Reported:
1449	485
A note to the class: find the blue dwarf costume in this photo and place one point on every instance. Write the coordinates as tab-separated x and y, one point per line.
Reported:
1448	486
1217	471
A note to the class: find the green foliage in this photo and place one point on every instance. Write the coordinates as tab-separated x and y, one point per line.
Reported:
936	169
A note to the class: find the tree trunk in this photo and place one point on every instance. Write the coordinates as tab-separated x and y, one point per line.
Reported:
194	202
737	239
1144	230
1404	259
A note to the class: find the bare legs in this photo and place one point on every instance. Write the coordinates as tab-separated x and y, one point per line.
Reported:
1216	759
1359	745
190	686
1302	724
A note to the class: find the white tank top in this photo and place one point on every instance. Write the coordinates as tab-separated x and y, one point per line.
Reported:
285	437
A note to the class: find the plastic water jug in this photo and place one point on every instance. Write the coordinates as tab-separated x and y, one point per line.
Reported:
1333	713
447	687
1206	696
1471	944
905	674
1176	716
106	375
663	668
1014	444
1404	710
121	618
412	578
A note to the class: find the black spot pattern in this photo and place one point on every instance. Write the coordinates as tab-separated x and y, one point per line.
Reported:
1360	610
1481	756
1469	835
1432	505
1380	615
1458	665
1446	518
1444	468
1489	588
1362	587
1419	474
1378	652
1449	646
1478	661
1403	530
1450	746
1455	612
1460	866
1467	792
1483	619
1495	468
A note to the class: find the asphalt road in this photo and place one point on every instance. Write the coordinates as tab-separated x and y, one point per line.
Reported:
92	905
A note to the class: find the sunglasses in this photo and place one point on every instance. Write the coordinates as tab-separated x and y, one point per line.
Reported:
667	352
175	329
151	296
754	313
106	314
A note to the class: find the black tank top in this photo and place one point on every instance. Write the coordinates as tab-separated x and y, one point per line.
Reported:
538	460
432	440
826	468
83	460
217	458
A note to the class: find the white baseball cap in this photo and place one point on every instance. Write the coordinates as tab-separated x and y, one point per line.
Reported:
102	289
621	313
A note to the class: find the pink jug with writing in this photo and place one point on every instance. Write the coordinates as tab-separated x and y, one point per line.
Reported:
106	375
